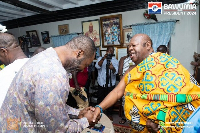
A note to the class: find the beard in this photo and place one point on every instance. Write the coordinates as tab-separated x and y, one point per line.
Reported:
73	65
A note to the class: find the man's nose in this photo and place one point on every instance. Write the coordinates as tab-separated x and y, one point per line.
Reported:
130	48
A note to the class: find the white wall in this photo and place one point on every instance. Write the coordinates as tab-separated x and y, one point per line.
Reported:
183	43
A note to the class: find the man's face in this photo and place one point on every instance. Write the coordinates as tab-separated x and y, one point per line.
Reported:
85	62
79	64
90	28
136	50
110	51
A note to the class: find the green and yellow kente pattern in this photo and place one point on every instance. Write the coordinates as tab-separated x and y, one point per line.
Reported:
159	88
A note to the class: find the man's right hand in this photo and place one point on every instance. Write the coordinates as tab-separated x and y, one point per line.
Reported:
96	113
89	114
105	56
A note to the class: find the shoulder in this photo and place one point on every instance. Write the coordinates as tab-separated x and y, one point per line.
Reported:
123	58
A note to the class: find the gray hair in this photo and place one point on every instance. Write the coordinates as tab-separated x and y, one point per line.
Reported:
84	43
7	40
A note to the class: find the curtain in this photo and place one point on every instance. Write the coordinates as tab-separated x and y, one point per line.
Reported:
62	39
159	32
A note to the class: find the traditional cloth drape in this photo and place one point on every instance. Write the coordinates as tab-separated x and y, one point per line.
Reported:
160	88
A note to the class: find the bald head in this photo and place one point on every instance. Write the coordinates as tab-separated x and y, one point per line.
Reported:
8	41
9	49
142	38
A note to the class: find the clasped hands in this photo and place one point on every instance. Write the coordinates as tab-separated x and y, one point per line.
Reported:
92	114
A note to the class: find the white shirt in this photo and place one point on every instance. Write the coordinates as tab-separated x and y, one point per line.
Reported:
7	75
101	79
127	63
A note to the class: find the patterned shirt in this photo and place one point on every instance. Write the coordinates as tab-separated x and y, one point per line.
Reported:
36	99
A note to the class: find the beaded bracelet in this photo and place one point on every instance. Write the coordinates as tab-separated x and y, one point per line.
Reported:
100	108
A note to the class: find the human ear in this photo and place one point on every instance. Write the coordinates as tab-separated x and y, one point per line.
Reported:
148	45
80	53
4	51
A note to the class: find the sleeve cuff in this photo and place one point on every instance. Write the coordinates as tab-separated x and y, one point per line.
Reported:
84	122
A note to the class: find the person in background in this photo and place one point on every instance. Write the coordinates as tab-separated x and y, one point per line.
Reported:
125	63
196	64
162	49
38	50
77	86
101	79
39	91
159	94
13	57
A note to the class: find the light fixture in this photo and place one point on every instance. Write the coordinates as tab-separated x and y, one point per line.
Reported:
3	28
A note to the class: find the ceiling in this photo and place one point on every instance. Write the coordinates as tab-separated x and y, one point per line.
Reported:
20	13
14	9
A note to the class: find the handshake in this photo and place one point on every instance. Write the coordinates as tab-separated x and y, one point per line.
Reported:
92	114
